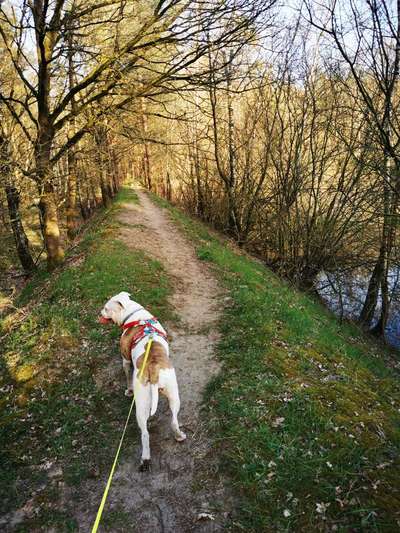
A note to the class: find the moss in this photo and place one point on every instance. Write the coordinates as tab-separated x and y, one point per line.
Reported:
25	373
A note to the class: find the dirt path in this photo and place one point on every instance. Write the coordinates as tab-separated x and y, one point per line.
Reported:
182	483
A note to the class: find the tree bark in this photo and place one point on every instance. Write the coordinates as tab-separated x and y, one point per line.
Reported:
368	310
72	205
391	202
146	167
20	238
168	187
233	222
105	198
82	202
146	155
114	185
45	41
100	136
51	229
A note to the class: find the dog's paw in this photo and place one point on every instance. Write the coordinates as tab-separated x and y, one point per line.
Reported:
180	437
129	393
144	465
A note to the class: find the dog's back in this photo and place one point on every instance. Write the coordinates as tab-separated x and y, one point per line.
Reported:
156	361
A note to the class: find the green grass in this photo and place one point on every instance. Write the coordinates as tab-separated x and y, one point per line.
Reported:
62	402
306	412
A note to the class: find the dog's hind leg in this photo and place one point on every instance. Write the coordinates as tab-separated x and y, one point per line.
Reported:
145	459
127	366
142	395
174	404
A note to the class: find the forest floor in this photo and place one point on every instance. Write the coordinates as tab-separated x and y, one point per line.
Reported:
292	418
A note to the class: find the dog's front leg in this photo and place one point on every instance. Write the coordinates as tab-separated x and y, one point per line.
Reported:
127	366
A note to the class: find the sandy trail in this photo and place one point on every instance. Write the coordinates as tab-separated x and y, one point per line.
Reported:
183	483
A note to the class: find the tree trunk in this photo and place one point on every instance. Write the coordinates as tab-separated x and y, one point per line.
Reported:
168	188
114	184
380	327
20	238
368	310
47	204
233	228
109	184
96	199
45	42
391	202
113	169
51	230
100	137
200	200
72	206
146	164
146	155
233	222
83	203
104	190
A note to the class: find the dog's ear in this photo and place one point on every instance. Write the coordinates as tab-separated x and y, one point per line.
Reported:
123	298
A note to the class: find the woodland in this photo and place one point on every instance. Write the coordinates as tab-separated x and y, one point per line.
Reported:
277	123
235	166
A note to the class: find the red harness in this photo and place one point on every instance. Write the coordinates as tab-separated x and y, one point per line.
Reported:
147	327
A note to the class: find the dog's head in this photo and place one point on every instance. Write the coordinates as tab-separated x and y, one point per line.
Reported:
115	309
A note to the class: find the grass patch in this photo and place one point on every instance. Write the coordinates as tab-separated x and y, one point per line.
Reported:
306	411
62	402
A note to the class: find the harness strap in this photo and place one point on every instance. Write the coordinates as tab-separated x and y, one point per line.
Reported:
132	313
146	326
144	321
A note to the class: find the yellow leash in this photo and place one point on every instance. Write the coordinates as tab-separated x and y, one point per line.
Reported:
105	494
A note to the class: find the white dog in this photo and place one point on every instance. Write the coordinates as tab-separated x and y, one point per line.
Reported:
138	326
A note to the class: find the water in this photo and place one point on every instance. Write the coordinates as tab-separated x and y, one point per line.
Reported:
344	294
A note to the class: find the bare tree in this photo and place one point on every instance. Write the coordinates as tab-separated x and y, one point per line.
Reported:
10	184
367	40
157	53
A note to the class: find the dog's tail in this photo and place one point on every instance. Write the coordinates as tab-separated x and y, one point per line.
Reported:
154	398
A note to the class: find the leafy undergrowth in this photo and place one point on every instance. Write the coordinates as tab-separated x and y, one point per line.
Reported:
62	402
306	410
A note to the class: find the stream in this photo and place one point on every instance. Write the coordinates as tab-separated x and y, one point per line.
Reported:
344	294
